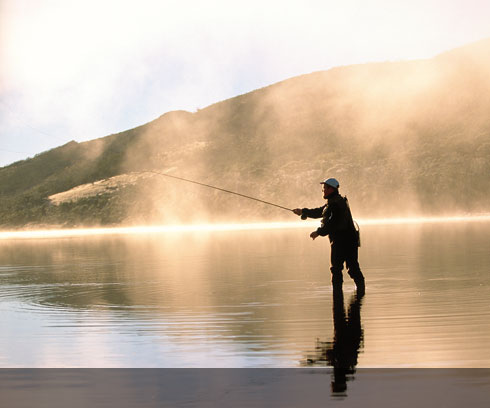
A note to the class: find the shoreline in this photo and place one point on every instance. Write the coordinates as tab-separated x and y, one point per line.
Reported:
57	232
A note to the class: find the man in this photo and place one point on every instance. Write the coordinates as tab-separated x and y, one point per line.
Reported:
337	223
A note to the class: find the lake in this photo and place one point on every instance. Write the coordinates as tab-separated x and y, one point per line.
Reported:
246	298
252	304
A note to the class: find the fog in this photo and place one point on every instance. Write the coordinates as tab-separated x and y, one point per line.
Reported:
404	139
77	71
398	136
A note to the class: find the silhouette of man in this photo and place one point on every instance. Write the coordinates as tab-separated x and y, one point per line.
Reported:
338	224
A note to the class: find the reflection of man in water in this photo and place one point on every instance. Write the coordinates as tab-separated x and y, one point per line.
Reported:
343	351
338	224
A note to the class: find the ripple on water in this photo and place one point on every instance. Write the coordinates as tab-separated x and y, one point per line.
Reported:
140	302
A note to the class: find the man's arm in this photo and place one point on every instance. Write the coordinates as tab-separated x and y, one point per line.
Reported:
309	212
324	228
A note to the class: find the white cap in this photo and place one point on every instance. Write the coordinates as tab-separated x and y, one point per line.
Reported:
331	182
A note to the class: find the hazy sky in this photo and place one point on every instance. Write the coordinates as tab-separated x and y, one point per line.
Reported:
82	69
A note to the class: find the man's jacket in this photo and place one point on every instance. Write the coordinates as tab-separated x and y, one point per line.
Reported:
337	220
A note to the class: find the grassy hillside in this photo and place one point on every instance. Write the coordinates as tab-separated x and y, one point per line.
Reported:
402	138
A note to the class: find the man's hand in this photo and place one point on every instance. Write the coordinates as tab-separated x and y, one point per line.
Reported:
314	235
298	211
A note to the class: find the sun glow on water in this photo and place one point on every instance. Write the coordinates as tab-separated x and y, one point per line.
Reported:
142	230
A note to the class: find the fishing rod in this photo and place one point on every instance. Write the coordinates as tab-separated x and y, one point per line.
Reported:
216	188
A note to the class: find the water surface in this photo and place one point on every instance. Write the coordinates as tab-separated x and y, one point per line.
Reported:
250	298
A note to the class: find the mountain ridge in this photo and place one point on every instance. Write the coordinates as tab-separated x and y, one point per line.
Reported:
398	135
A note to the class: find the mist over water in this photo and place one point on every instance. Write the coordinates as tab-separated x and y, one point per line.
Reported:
106	264
243	298
396	135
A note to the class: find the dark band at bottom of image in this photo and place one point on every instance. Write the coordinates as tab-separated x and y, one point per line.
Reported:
247	387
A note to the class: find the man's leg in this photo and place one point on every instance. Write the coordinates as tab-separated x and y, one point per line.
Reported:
337	259
353	268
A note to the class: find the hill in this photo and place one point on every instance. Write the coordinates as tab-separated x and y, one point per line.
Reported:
402	137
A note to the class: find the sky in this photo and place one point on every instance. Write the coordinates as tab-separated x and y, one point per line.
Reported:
79	70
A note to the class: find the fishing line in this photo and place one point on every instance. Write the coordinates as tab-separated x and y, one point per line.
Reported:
216	188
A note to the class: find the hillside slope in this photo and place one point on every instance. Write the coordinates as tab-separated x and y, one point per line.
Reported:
402	137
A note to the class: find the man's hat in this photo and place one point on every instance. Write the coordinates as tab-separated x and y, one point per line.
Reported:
331	182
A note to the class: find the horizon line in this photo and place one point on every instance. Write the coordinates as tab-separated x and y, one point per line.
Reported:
210	227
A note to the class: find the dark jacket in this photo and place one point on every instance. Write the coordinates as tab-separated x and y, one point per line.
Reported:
337	220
